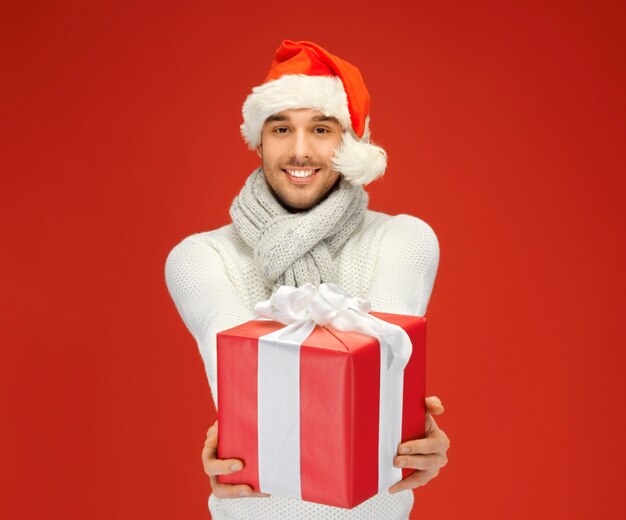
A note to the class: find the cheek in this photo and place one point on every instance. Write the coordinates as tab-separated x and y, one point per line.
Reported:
328	150
269	157
335	145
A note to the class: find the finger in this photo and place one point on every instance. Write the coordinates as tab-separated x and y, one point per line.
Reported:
212	428
215	466
419	478
210	444
233	490
430	424
423	462
209	454
434	399
436	442
434	405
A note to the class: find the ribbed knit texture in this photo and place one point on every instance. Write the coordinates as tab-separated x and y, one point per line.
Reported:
214	281
295	248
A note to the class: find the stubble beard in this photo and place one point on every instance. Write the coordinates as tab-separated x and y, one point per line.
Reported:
300	209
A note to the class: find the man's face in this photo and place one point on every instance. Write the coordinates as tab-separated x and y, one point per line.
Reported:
296	148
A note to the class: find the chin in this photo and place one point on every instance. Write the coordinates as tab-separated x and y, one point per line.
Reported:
297	206
291	199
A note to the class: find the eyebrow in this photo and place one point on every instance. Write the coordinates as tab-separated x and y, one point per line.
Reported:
277	117
325	118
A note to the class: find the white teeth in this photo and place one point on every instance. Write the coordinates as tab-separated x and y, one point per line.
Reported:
301	173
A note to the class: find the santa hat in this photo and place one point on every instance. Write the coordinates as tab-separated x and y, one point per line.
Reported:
303	75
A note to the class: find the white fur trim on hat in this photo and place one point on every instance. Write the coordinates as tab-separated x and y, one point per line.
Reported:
358	161
324	93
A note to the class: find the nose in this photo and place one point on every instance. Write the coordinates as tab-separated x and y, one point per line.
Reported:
301	145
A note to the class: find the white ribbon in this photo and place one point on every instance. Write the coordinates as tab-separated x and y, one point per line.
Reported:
301	309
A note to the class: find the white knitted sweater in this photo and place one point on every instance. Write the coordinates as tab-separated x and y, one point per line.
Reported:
215	283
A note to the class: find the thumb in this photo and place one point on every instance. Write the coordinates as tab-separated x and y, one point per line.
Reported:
434	406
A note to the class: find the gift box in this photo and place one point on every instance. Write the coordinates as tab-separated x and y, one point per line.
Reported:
317	414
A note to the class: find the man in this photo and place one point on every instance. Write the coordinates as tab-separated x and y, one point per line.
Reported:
302	217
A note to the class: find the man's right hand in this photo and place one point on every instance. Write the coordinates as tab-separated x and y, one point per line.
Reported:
214	466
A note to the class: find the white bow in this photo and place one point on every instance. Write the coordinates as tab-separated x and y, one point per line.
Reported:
329	304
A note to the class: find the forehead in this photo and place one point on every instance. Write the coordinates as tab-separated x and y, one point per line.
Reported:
301	115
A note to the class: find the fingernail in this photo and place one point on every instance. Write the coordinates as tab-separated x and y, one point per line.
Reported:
244	493
236	466
401	464
404	450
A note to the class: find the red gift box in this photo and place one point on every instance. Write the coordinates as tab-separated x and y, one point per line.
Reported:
339	399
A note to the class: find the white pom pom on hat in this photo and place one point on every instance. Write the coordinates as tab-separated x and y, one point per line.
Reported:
304	75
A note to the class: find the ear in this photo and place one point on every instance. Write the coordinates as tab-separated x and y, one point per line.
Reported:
259	151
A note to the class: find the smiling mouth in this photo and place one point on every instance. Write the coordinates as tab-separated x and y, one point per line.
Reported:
301	173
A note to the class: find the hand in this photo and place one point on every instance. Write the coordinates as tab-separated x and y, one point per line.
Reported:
214	466
426	455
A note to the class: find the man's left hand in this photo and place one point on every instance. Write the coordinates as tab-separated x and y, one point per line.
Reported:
426	455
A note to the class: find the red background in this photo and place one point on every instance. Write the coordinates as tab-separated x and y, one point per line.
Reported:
504	123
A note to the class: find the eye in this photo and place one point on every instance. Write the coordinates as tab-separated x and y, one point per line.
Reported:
280	130
321	130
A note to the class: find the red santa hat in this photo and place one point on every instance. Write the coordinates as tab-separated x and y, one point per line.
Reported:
304	75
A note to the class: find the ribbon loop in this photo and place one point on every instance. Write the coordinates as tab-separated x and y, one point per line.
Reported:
288	304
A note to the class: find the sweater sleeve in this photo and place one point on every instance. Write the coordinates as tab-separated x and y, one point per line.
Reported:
205	297
407	265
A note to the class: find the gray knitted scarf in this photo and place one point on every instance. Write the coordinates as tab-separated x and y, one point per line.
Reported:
295	248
